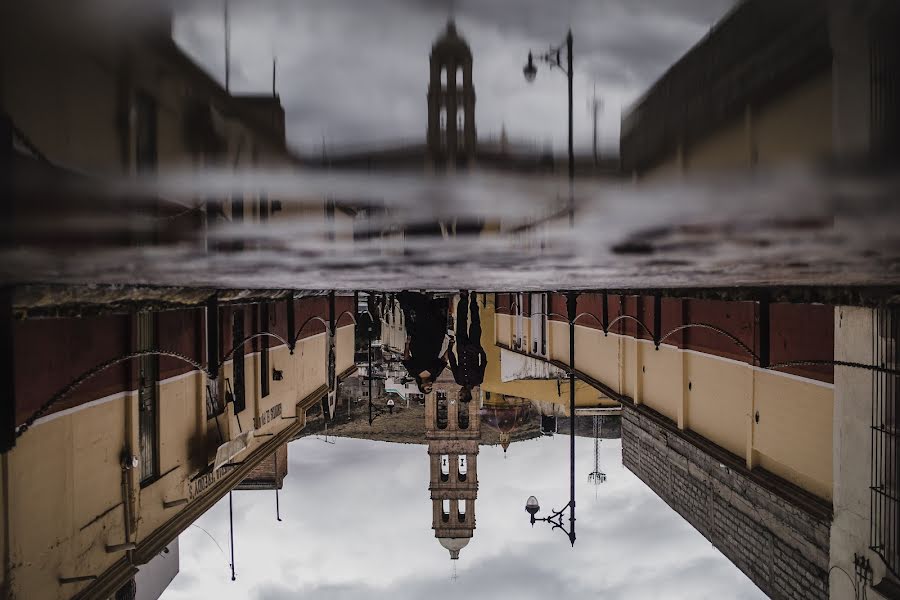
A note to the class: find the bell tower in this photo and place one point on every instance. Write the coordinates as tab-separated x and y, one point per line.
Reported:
453	431
451	102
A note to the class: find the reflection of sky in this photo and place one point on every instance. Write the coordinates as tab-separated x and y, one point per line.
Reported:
357	524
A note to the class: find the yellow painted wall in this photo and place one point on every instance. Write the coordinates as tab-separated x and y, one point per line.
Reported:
504	329
711	396
537	390
558	336
793	438
346	344
312	372
63	478
718	403
796	127
65	498
596	355
661	377
726	148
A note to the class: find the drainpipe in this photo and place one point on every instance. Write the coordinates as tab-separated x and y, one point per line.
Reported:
128	463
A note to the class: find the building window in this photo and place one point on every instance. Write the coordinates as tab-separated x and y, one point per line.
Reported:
443	127
442	409
885	491
462	414
145	151
237	335
443	77
264	371
459	78
445	467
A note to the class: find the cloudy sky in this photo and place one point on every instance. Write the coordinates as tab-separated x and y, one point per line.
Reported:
357	525
355	73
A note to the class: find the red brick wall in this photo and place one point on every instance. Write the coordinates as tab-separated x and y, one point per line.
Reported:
342	305
181	331
51	353
798	331
304	308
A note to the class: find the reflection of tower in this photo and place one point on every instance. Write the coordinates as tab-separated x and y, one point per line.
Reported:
451	101
453	431
597	476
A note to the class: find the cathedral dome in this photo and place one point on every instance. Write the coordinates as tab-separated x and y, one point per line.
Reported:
454	545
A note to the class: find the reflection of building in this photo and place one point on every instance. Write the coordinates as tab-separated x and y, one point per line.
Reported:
114	470
453	431
527	338
506	414
742	451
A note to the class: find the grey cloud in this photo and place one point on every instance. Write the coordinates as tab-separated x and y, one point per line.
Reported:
357	524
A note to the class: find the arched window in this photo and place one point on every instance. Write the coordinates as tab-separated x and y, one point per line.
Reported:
443	77
463	467
460	129
462	414
442	409
445	467
445	510
461	510
443	126
459	78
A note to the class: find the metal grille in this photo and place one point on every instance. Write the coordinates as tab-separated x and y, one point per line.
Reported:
884	62
214	406
885	500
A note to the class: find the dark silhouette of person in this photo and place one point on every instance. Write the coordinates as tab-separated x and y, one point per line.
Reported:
469	359
426	325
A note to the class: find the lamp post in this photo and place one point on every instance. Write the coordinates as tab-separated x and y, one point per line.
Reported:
374	411
553	58
531	505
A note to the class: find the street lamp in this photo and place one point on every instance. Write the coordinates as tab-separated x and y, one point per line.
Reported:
556	519
531	505
553	58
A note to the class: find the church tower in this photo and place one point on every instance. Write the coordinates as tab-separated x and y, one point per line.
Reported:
453	432
451	102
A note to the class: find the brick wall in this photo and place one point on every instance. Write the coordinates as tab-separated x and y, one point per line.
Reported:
782	546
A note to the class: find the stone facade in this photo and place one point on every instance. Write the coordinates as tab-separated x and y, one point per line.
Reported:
779	540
